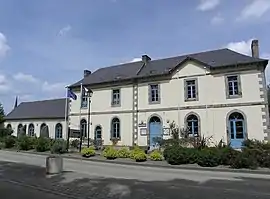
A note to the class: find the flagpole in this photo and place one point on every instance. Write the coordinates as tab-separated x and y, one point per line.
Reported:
80	117
66	110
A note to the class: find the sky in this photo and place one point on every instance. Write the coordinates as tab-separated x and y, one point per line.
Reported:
46	45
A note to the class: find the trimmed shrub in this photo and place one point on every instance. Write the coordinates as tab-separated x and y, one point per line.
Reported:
26	143
43	144
176	155
139	156
2	145
110	153
88	152
4	132
227	154
244	160
59	146
75	143
123	153
134	151
209	157
10	141
156	156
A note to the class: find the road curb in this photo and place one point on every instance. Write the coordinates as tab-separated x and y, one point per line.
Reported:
142	164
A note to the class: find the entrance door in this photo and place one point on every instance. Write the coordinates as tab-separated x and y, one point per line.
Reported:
237	130
98	136
155	131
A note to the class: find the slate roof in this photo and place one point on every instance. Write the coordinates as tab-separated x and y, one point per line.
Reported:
46	109
212	59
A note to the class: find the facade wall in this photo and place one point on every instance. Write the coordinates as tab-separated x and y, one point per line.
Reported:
51	123
212	105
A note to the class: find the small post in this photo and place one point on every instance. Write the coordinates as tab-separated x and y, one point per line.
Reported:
54	164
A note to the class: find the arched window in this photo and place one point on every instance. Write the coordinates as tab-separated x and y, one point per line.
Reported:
31	130
44	130
192	122
9	127
115	128
84	128
237	129
19	129
98	133
58	131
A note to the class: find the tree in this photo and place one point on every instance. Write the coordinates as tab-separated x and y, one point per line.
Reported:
2	113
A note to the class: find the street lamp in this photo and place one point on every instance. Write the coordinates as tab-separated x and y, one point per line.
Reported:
89	94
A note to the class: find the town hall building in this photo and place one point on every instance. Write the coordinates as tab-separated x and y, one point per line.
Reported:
220	94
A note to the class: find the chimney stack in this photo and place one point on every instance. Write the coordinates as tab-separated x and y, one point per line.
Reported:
86	73
255	48
145	59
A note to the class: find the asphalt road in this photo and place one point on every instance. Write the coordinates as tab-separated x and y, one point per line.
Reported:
23	176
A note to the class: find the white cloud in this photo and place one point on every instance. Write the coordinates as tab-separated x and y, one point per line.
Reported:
243	47
4	86
136	59
55	88
25	77
206	5
216	20
256	9
64	30
4	47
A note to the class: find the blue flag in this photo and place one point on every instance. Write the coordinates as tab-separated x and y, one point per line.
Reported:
71	95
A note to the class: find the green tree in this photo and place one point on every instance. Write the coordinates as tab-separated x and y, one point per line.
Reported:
2	113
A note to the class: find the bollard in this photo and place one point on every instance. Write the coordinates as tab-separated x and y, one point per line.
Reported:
54	164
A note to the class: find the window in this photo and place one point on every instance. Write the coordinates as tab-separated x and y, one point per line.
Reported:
115	128
83	128
236	121
233	86
154	93
58	131
31	130
192	122
84	101
191	90
44	130
116	97
98	135
9	127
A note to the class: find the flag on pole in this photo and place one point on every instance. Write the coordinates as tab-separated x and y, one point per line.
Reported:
71	95
85	91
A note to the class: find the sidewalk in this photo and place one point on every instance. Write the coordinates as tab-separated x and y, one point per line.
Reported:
149	163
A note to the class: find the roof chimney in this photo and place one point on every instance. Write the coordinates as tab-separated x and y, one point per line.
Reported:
255	48
145	59
86	73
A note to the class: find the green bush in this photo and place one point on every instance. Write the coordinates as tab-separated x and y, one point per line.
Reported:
140	156
134	151
123	153
4	132
209	157
227	154
43	144
177	155
156	156
262	156
59	146
110	153
88	152
75	143
10	141
2	145
256	144
26	143
244	160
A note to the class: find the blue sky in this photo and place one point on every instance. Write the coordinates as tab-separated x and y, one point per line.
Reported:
45	45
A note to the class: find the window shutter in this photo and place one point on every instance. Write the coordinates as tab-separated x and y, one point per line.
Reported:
197	89
159	93
239	85
149	94
226	87
185	90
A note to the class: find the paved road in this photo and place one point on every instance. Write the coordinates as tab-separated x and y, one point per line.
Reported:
84	179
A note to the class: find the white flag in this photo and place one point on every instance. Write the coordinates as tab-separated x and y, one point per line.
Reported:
85	90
